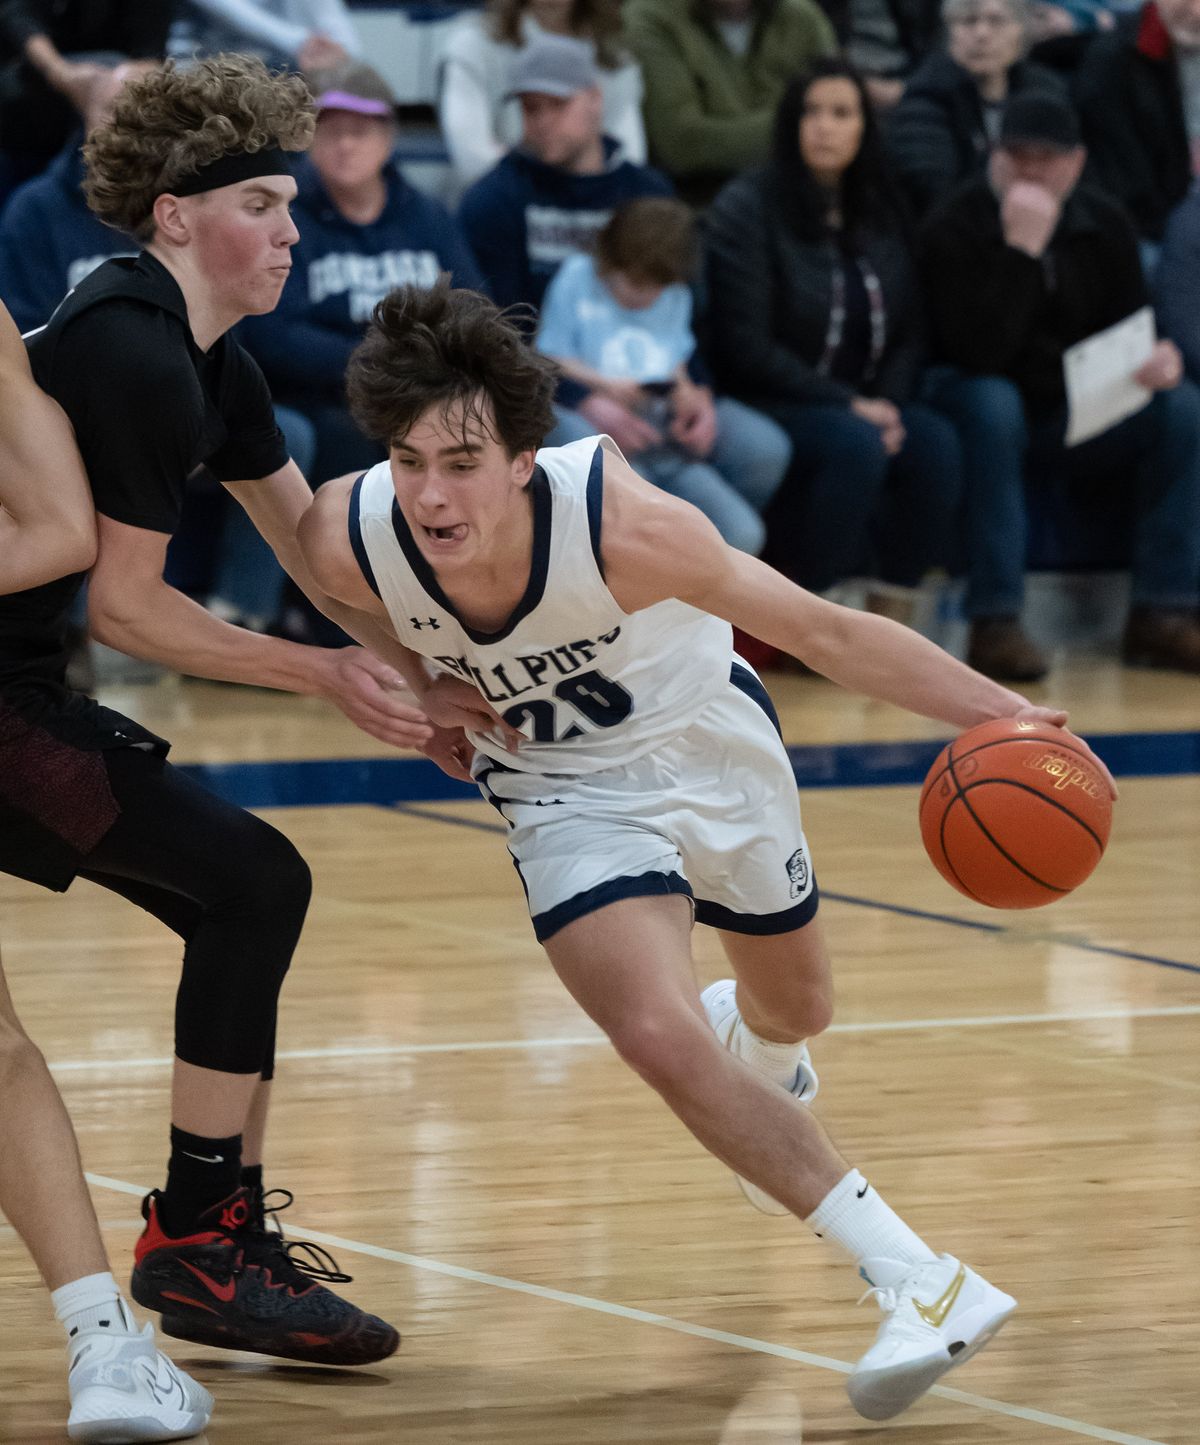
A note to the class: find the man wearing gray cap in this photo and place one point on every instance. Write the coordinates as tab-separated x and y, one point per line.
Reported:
551	194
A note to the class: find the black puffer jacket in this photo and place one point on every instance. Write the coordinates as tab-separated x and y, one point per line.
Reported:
936	136
770	295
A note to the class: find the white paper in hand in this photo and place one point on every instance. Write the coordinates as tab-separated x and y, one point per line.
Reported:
1098	372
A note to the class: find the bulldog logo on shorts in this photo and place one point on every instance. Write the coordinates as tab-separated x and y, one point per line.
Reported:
797	867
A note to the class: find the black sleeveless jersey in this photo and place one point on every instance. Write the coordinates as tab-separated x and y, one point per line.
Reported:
149	408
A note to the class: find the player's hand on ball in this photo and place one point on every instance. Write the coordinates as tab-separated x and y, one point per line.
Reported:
1056	717
375	698
452	703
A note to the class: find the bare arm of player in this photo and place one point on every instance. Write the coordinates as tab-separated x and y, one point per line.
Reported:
47	525
655	547
323	539
132	608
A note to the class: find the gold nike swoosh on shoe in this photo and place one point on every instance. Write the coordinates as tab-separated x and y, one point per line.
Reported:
935	1314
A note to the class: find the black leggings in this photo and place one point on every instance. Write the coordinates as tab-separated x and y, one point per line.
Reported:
231	886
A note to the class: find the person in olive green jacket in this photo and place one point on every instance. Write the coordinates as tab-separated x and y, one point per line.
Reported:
714	72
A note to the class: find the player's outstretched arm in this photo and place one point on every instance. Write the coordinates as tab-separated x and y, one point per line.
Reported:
655	546
131	607
47	525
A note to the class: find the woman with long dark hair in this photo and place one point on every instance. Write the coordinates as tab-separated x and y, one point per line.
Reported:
816	319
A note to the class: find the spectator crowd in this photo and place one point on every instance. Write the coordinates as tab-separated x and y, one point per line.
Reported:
824	297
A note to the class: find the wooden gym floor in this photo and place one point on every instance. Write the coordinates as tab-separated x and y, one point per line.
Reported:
565	1263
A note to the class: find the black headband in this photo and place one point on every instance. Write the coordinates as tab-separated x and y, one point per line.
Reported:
228	170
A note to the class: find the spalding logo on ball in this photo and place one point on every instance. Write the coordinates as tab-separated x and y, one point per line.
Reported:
1015	814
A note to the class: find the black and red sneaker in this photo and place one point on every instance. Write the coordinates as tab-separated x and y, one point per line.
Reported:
235	1283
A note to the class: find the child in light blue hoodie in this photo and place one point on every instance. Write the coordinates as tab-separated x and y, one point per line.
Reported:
619	322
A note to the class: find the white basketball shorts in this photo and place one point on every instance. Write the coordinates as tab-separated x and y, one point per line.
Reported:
712	815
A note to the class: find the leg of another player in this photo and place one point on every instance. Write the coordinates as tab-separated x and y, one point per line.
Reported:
42	1189
629	967
44	1195
784	982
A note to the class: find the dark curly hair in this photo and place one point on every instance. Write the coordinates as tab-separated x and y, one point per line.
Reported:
168	123
448	348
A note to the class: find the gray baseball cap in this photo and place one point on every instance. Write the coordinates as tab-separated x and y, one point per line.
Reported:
553	65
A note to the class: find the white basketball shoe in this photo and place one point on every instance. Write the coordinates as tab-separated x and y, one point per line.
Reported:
124	1389
936	1315
720	1007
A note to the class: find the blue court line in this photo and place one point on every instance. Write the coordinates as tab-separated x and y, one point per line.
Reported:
978	925
330	782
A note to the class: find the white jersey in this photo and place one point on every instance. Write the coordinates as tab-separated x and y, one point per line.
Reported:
589	685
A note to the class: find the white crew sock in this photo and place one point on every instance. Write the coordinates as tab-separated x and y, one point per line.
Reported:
853	1216
92	1303
777	1062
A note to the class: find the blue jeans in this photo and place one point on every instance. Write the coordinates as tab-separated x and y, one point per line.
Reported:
731	486
1155	454
248	576
734	483
850	510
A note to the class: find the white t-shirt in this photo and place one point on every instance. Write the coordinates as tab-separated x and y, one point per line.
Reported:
583	321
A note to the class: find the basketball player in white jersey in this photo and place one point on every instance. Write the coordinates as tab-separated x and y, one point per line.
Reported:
650	787
121	1387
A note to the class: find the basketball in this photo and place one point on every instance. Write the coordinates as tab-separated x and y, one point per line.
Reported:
1015	814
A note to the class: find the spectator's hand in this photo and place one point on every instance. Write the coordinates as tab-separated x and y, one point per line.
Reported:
694	423
450	703
885	415
632	433
626	393
319	52
374	697
1162	369
1029	214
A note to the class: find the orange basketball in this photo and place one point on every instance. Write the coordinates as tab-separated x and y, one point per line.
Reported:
1015	814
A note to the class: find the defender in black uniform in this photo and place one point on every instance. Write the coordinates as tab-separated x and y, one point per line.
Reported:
140	359
47	527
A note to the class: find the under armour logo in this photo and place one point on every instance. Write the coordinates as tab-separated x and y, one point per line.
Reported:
429	622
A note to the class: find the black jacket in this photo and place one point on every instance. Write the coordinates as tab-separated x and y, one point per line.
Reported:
769	302
1131	108
936	135
998	311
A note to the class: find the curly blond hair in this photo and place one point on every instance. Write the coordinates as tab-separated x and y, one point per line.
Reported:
169	123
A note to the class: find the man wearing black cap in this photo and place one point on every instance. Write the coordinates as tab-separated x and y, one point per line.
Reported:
139	357
1019	266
